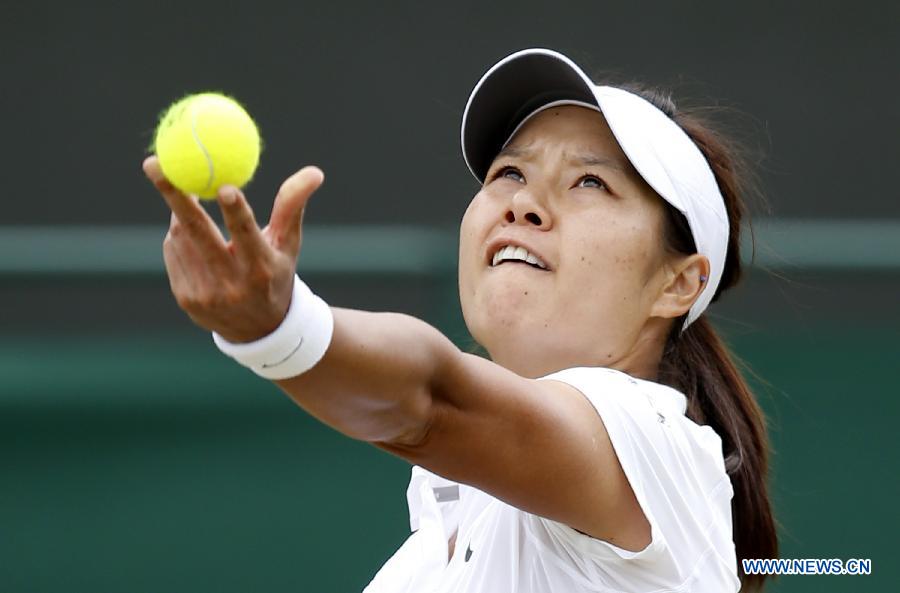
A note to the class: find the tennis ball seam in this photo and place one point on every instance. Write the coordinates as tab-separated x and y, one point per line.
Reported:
209	162
210	129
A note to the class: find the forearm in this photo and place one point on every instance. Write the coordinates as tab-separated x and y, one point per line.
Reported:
377	378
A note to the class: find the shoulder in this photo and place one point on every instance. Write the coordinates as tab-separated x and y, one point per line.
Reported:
650	416
654	412
674	466
603	386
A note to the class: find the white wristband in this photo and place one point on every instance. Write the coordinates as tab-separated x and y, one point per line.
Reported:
295	346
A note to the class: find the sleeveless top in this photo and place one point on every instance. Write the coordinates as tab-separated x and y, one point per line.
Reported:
675	467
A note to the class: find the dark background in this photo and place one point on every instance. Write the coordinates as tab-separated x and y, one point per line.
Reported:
133	456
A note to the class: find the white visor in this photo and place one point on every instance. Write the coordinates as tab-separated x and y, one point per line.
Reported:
526	82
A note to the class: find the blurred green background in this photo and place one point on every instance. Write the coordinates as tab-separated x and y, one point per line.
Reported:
134	457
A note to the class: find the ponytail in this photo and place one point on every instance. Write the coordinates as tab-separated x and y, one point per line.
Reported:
698	364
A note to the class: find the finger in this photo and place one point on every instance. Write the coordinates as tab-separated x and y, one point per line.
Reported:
179	279
200	262
190	277
241	223
287	212
190	213
181	282
199	265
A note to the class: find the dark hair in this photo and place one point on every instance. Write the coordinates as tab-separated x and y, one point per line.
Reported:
697	362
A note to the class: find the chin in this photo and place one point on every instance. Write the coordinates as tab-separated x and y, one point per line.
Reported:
509	331
508	307
501	310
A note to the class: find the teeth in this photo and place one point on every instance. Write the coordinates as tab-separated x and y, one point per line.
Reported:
510	252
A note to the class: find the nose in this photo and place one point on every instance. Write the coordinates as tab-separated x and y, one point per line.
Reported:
524	209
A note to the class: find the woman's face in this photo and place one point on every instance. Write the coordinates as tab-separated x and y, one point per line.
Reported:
564	190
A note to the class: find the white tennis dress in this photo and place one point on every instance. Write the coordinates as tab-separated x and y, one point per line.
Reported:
675	468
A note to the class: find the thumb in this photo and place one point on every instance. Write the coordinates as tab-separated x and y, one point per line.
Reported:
287	212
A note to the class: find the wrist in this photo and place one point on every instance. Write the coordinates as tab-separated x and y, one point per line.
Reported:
295	346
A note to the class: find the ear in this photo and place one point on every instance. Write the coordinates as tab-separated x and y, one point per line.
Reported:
682	286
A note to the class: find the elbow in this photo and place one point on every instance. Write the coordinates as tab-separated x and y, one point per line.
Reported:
414	425
422	411
394	395
405	422
410	443
415	433
424	417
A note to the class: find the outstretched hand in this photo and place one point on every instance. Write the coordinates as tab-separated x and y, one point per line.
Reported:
240	288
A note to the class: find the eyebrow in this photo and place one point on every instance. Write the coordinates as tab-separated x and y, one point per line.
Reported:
587	160
513	152
590	160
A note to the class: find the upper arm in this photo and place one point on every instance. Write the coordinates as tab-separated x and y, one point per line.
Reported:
537	445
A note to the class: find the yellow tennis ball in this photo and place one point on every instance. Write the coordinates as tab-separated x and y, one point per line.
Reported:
205	141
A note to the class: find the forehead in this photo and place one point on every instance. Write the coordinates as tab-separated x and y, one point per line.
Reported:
578	132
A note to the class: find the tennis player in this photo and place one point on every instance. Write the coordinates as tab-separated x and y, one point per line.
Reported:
610	443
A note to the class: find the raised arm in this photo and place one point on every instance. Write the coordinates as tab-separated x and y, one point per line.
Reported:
397	382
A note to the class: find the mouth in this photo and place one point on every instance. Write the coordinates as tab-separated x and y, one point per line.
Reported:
514	254
511	265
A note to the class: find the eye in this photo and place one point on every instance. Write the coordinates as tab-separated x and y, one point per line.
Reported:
510	172
588	180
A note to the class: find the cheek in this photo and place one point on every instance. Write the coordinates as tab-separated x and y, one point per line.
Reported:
467	226
612	257
471	232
